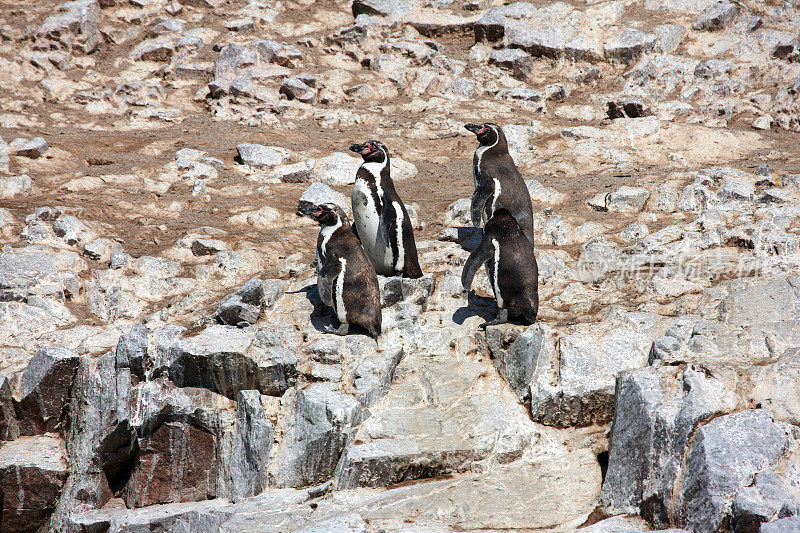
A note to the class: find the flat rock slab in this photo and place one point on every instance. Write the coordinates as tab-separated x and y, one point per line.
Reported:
520	495
440	416
227	359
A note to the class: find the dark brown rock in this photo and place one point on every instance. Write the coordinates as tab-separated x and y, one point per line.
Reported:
178	462
45	389
32	473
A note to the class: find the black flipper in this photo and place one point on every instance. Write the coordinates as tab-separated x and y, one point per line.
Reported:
478	257
389	225
326	277
526	224
482	193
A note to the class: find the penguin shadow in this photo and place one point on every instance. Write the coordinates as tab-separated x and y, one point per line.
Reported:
482	306
486	308
323	317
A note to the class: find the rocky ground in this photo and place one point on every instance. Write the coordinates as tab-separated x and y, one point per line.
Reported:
163	366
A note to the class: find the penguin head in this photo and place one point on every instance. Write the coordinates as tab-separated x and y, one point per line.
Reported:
487	133
371	151
327	214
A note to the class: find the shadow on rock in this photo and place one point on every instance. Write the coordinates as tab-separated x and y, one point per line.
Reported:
323	316
481	306
467	237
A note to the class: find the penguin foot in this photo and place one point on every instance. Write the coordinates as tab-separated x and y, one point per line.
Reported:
341	330
530	318
501	318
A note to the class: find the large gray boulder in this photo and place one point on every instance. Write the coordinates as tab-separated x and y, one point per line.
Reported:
767	499
252	443
320	193
656	412
575	369
393	9
177	461
515	352
628	46
623	200
226	359
725	455
493	25
322	421
33	149
259	156
775	386
175	446
100	439
517	61
232	60
9	426
74	26
784	525
716	16
36	270
244	307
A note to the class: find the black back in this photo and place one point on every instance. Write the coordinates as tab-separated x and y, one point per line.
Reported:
497	164
517	271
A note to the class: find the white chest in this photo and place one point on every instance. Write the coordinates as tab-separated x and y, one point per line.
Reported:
479	153
365	212
375	169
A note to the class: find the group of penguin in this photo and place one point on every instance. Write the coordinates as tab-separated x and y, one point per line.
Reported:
381	238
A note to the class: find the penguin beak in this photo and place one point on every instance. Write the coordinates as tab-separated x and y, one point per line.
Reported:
361	149
474	128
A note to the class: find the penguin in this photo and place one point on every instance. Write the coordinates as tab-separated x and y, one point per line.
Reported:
346	279
510	265
498	183
380	218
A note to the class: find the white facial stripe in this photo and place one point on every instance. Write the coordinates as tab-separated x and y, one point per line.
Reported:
401	254
327	233
341	312
482	149
495	285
